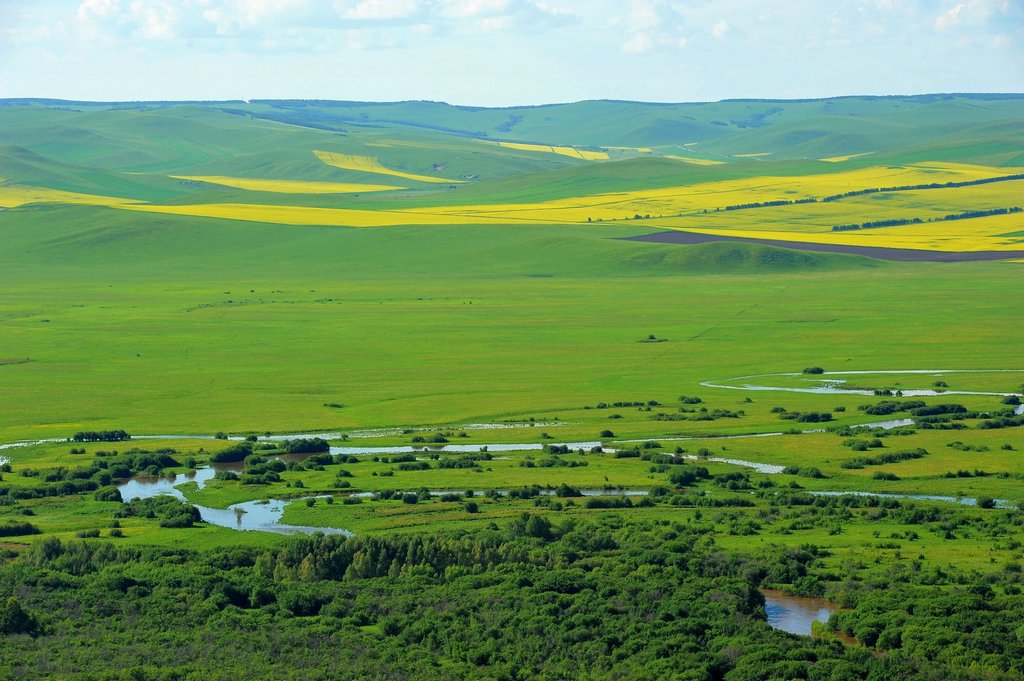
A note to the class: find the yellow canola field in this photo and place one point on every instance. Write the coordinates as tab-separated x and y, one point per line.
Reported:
695	161
288	186
305	215
690	207
572	152
12	196
977	234
369	164
923	204
691	199
840	159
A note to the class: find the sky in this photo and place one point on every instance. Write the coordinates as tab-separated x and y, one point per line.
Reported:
506	52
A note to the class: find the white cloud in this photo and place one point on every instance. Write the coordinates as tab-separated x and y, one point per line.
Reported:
462	9
733	47
154	19
638	44
650	24
972	12
383	9
644	17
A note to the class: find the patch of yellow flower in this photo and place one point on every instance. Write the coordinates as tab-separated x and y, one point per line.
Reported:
369	164
307	215
975	234
572	152
14	195
288	186
695	161
840	159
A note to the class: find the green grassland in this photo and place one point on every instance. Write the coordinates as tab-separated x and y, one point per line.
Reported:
188	325
175	325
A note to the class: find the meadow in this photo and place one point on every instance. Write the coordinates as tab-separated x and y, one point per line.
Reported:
386	275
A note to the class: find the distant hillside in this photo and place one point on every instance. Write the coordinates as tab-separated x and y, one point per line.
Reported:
721	257
774	129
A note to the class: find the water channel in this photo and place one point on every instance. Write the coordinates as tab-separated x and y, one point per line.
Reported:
835	386
250	515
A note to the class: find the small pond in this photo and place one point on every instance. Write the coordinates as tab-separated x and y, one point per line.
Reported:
795	614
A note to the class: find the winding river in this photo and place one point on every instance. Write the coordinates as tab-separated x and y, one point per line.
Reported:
250	515
266	515
834	386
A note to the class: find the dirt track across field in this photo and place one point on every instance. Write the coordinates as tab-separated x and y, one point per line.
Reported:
906	254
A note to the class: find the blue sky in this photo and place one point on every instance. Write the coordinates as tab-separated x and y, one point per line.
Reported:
504	52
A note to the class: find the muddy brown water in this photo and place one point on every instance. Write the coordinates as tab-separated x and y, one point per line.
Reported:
796	614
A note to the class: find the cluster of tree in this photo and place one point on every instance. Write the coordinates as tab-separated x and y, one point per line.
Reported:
886	458
471	460
938	410
233	454
14	528
805	416
100	473
892	222
101	436
1005	421
552	462
769	204
916	221
915	187
436	438
646	403
685	476
952	629
804	472
414	466
304	446
702	414
859	445
397	458
171	512
886	407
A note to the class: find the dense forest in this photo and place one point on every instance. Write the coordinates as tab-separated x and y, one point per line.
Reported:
533	599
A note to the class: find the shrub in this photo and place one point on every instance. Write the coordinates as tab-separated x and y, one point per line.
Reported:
14	619
107	494
14	529
305	445
233	454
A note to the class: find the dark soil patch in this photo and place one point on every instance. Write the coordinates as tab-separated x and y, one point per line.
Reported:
905	254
